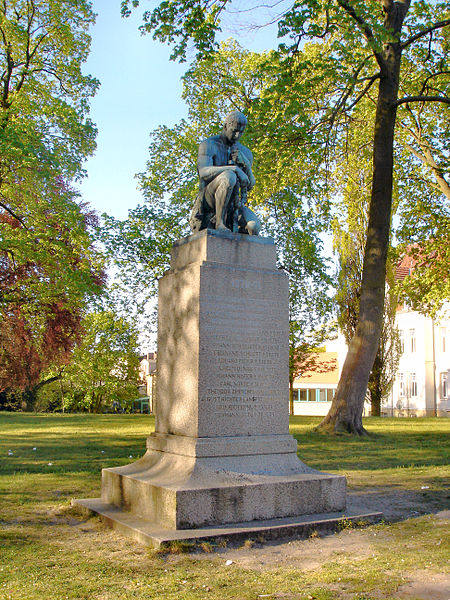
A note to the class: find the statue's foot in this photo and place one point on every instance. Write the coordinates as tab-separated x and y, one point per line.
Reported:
221	228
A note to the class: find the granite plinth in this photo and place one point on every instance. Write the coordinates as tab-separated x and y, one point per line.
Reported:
181	492
150	534
221	452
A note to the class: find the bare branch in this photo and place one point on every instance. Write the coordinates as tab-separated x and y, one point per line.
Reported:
427	79
12	213
424	32
364	91
408	99
427	159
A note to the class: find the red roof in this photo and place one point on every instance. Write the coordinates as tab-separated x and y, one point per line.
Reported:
405	267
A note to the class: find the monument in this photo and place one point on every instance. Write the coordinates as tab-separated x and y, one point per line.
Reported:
225	171
221	455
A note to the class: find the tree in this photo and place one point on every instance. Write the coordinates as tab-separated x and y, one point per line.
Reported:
49	271
387	359
49	266
44	99
362	47
233	79
104	367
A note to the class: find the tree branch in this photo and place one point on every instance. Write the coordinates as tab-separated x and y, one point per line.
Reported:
364	92
424	32
408	99
11	212
367	31
47	381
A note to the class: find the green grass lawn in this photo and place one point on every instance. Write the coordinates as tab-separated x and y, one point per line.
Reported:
48	552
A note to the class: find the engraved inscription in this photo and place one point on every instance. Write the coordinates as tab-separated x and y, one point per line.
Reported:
243	346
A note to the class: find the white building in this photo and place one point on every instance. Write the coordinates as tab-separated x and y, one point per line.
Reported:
147	373
420	387
421	384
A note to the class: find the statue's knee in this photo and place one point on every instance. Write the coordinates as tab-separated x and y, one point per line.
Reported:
253	227
228	178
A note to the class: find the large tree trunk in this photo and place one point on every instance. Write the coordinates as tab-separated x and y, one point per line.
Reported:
345	414
375	384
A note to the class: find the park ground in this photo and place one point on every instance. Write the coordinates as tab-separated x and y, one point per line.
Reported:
49	551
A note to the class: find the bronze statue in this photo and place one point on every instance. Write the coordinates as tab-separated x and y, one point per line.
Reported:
225	170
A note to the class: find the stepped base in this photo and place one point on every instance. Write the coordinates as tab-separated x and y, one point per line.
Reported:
150	534
183	492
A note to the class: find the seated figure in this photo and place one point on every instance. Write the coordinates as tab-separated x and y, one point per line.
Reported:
225	171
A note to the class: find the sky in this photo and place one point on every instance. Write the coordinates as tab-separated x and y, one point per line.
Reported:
140	89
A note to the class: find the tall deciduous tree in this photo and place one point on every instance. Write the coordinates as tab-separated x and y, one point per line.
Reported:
232	79
49	270
362	47
49	267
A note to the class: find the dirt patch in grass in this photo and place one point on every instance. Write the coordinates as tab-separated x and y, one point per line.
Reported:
423	584
359	548
306	555
397	504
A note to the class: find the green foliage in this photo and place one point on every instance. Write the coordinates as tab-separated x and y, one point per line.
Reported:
49	266
333	56
305	102
181	19
233	79
44	94
423	170
104	365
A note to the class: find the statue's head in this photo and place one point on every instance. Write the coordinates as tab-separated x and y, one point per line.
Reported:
234	126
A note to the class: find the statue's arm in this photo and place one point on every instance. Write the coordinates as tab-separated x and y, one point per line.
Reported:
207	170
244	158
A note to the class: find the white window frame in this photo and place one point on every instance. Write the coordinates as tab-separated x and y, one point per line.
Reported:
444	385
413	385
412	337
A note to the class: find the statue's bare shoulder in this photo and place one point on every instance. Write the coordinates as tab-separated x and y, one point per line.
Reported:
209	146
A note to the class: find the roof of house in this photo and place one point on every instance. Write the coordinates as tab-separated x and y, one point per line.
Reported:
405	267
326	370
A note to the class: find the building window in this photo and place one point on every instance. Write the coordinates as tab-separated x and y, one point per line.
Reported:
412	336
314	395
413	385
322	395
443	340
444	389
402	387
401	334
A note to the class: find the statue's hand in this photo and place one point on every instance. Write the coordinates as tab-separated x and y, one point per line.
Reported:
243	179
241	160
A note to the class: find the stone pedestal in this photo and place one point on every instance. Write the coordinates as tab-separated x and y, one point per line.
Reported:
221	451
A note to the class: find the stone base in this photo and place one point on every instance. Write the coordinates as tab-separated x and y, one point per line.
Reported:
152	535
221	452
182	492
